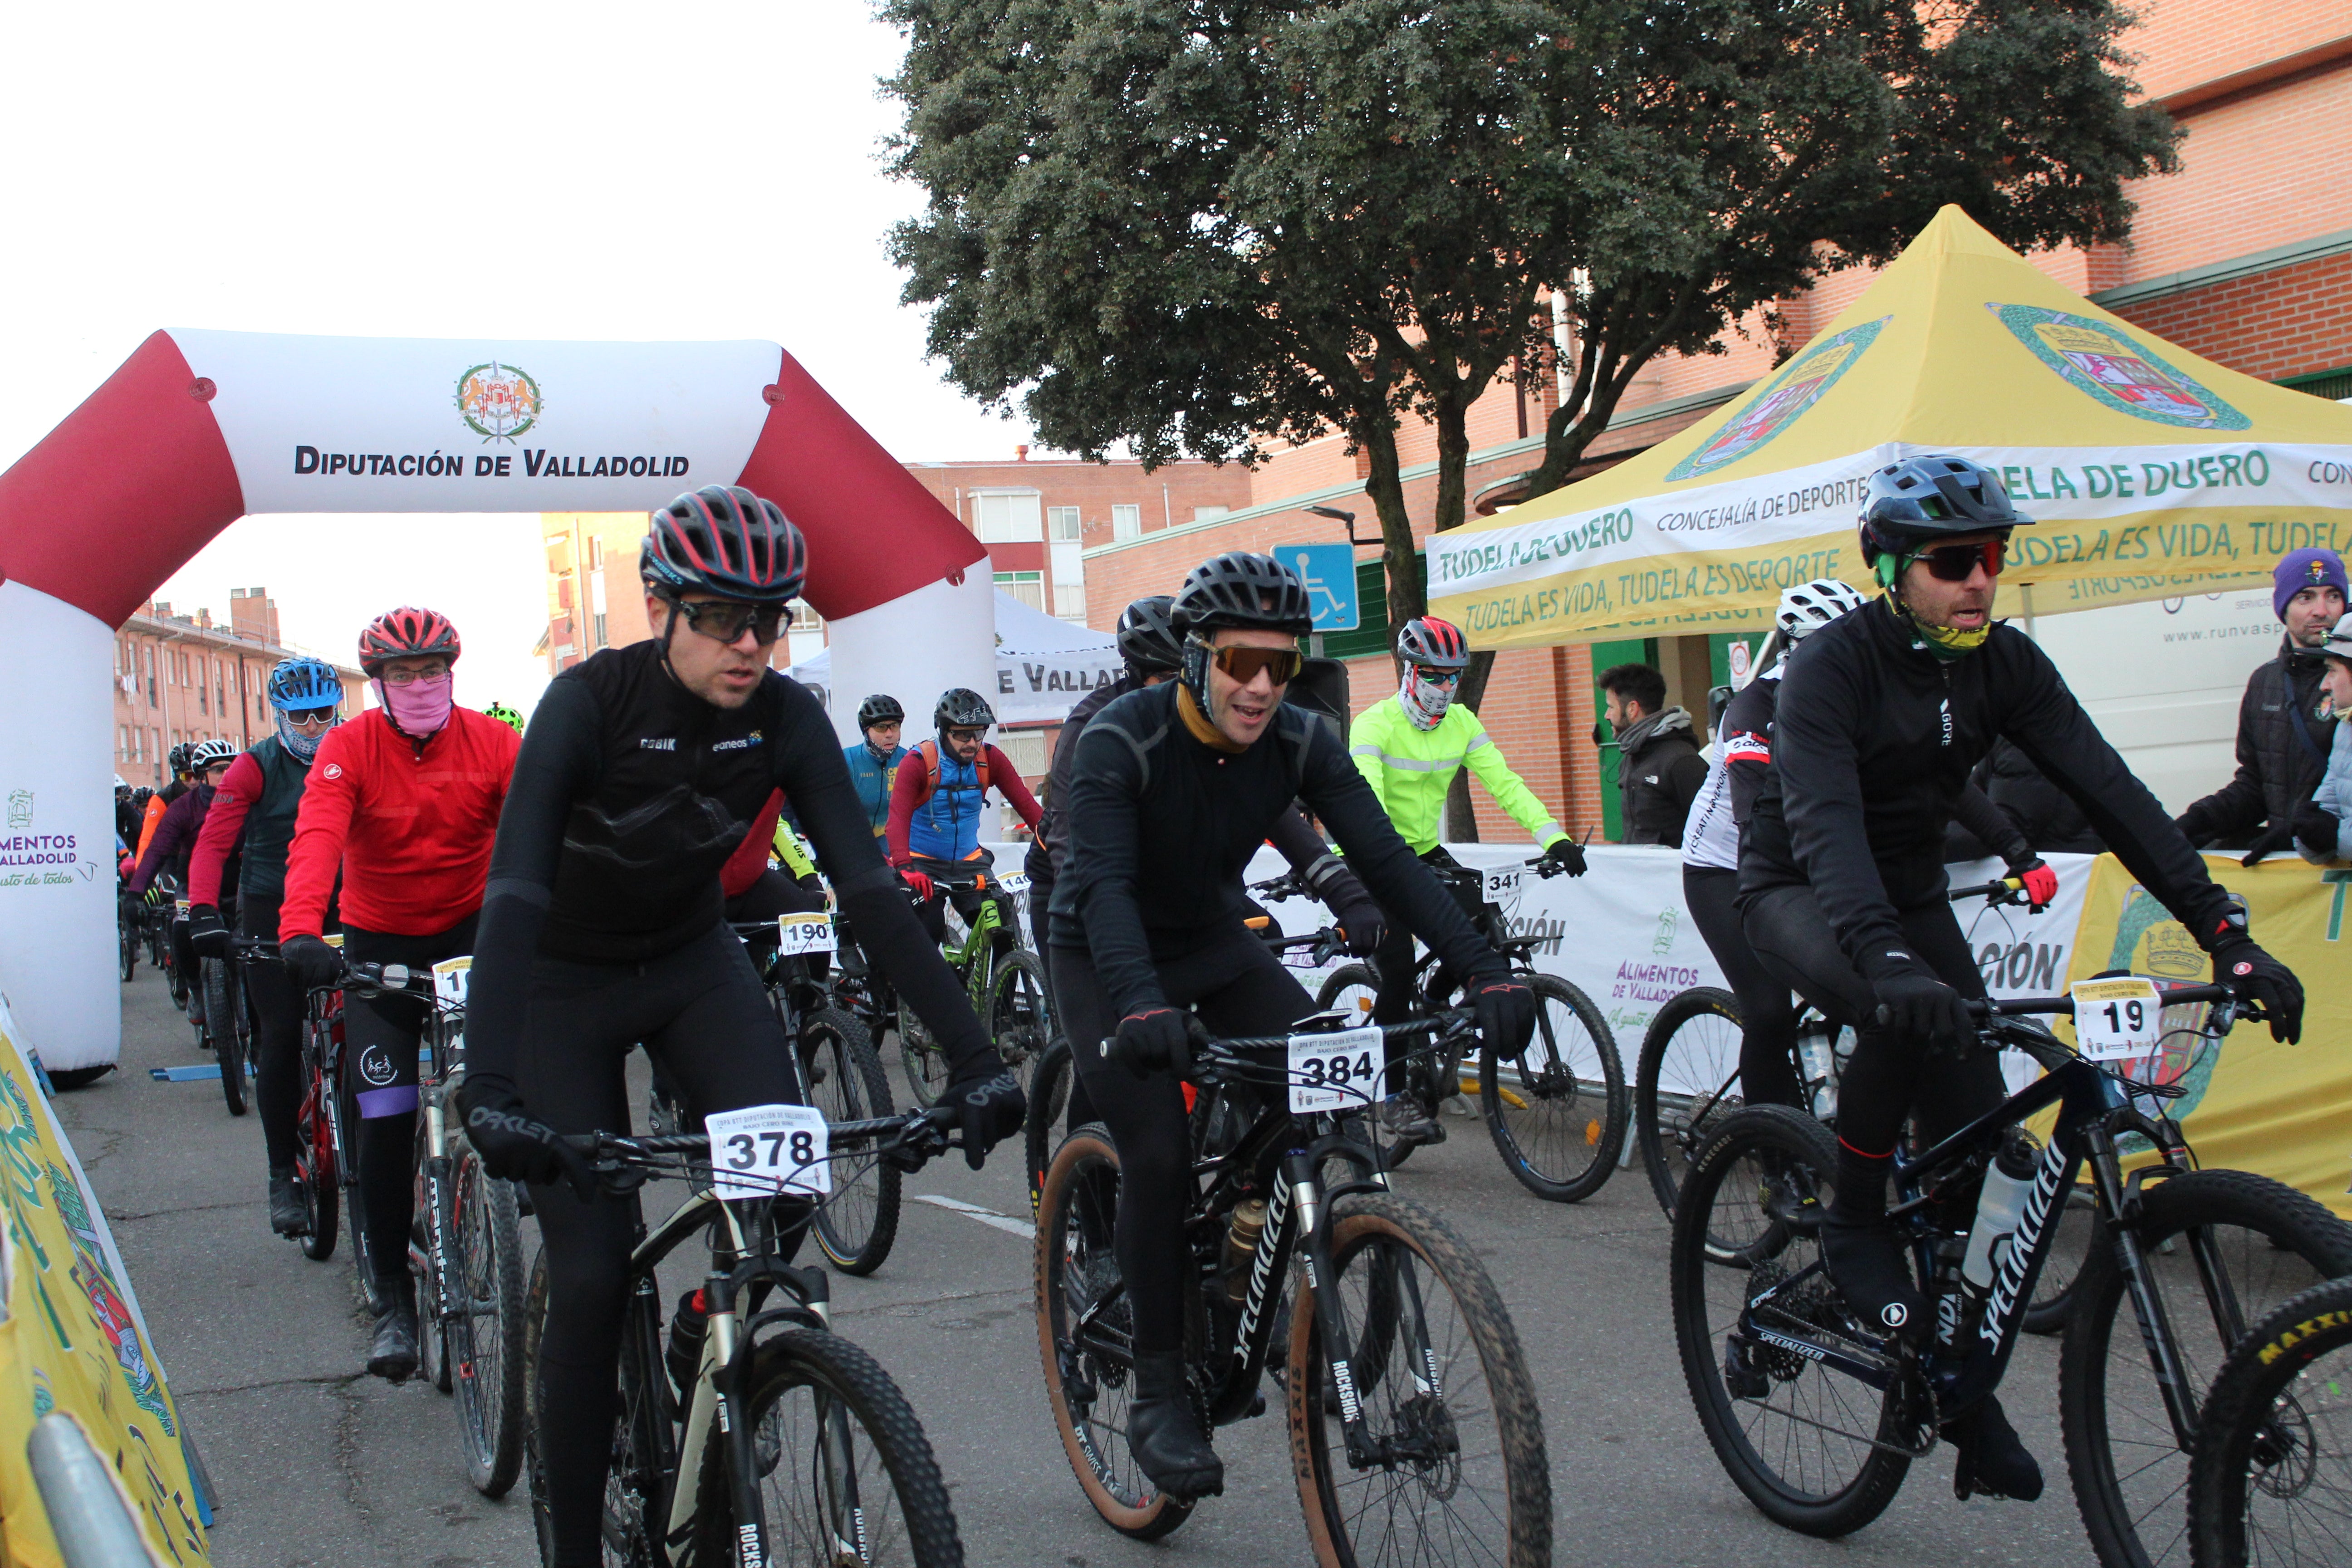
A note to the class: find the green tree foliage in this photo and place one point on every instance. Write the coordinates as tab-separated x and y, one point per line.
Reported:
1199	227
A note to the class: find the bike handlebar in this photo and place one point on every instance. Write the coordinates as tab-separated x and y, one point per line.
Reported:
2168	994
927	1131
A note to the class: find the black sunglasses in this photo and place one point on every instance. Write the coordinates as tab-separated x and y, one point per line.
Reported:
1954	563
723	620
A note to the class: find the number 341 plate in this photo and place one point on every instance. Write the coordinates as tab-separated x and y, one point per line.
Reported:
768	1149
2117	1018
1340	1071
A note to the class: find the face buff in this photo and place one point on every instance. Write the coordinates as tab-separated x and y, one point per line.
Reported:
303	744
1424	701
418	710
1948	644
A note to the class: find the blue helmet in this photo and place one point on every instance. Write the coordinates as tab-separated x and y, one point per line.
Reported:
303	682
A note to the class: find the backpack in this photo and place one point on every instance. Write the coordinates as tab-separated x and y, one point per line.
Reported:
930	752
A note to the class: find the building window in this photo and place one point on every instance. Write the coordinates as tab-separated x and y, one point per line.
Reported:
1204	513
1062	525
1029	588
805	618
596	552
1070	600
1127	523
1008	518
600	631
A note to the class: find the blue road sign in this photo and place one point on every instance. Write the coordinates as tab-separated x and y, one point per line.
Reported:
1329	573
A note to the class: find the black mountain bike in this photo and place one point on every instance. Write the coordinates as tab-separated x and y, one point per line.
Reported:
227	1028
788	1443
2270	1480
1817	1417
1414	1433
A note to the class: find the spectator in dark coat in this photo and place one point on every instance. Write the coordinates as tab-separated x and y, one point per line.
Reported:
2047	816
1659	766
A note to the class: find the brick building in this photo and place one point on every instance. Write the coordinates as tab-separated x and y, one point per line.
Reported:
184	677
2243	255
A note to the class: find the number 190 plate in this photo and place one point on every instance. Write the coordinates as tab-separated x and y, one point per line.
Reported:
764	1150
1340	1071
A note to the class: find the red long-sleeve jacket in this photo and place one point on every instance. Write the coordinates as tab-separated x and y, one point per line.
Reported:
223	823
908	790
409	826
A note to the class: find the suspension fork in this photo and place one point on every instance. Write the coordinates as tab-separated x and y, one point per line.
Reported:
1330	1319
2148	1302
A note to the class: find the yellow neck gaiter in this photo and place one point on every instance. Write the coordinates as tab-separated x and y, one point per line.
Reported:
1197	723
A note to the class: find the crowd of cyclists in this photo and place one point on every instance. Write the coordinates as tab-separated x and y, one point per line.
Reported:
592	866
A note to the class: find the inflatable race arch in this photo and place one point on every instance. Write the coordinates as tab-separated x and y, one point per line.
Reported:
199	428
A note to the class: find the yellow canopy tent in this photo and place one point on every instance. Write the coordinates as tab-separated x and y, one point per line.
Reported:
2150	472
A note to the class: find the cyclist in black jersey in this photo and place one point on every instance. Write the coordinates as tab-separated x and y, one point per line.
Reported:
601	926
1841	890
1171	791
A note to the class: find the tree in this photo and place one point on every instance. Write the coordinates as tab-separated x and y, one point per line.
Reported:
1197	227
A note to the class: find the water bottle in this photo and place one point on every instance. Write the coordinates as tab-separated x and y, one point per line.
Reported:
1240	1247
1821	1066
684	1356
1998	1207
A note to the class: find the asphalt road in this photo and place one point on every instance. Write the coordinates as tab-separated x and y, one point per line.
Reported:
319	1464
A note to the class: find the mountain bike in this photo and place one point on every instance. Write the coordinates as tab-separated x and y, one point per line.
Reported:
1415	1432
325	1158
2271	1479
1006	988
1556	1115
227	1028
841	1075
788	1443
1817	1417
126	939
1688	1082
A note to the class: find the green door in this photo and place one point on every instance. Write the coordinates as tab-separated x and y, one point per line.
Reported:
1607	656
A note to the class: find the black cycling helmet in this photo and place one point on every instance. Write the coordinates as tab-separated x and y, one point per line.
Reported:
1912	503
723	540
179	757
961	708
1241	588
881	709
1146	640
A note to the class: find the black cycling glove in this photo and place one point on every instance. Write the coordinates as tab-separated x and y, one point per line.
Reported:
515	1146
989	1109
1506	1016
1157	1039
2243	966
2316	829
310	962
2274	841
1358	914
1568	854
1916	1005
206	936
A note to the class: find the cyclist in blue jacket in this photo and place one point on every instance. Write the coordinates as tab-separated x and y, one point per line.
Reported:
874	760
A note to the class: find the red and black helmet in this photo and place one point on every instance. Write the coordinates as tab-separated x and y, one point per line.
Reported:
1434	643
407	632
723	540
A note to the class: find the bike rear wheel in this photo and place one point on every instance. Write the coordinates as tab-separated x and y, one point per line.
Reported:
1446	1397
1084	1340
926	1064
1801	1441
1557	1114
1685	1084
314	1166
845	1472
127	938
484	1331
225	1024
857	1227
2244	1244
2273	1466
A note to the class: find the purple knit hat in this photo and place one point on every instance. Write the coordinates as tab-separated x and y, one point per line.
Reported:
2300	569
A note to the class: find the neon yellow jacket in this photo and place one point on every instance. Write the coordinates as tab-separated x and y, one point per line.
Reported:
1411	770
790	850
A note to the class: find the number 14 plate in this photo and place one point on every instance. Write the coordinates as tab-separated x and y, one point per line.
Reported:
764	1150
2117	1018
1340	1071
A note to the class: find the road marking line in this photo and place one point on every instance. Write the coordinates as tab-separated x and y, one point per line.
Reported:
1006	1223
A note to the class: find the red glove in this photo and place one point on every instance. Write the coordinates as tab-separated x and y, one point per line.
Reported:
2040	883
917	881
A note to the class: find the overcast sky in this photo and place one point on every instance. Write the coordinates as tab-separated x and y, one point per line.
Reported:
692	171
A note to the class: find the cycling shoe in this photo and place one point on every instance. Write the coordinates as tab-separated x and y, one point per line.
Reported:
1993	1459
1407	1120
1163	1431
1866	1261
287	1214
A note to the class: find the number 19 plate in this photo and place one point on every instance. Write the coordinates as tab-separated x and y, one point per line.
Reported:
2117	1018
768	1149
1340	1071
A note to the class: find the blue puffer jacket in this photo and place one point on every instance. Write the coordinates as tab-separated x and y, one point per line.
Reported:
2334	796
872	780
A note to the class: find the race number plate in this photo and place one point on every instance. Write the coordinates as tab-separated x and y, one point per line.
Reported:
450	978
768	1149
805	933
2117	1018
1503	882
1338	1071
1013	882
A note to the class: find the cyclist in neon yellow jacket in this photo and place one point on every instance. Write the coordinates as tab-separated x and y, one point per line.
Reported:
1409	747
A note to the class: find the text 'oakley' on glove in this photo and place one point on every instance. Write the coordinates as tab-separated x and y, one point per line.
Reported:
989	1111
1157	1039
515	1146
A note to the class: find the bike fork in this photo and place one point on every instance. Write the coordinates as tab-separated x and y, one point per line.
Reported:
1330	1320
2180	1401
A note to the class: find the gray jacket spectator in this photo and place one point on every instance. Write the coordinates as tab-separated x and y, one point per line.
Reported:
2322	828
1660	767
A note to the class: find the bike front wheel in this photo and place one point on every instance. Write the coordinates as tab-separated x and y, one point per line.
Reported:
224	1025
859	1224
2221	1249
484	1328
1448	1405
1557	1114
1685	1084
1020	1015
1049	1096
2273	1466
846	1474
926	1064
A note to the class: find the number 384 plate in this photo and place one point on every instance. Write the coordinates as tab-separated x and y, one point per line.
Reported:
1338	1071
764	1150
2117	1018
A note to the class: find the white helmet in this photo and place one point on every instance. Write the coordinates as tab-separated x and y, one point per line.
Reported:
1809	606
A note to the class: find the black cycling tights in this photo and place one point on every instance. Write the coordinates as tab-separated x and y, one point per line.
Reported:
1890	1074
1768	1019
1239	988
704	1017
380	1042
276	1038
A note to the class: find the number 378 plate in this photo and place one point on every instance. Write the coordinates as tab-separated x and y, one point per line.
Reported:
765	1150
1338	1071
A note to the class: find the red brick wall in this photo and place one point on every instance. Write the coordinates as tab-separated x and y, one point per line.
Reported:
2295	321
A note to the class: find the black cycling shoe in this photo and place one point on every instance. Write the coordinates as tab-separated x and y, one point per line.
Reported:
1406	1120
287	1215
1164	1432
392	1355
1866	1261
1993	1459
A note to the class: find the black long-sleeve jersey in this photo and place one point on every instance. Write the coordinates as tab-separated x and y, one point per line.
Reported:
1162	825
1873	741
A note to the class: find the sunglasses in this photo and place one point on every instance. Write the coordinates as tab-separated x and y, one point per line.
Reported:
1954	563
965	737
1281	665
311	718
724	620
1421	672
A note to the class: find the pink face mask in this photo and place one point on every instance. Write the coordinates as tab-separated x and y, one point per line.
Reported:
419	709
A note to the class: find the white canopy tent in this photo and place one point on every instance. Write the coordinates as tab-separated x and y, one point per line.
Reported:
1043	667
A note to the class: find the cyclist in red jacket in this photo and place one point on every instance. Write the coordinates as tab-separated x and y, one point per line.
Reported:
404	800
